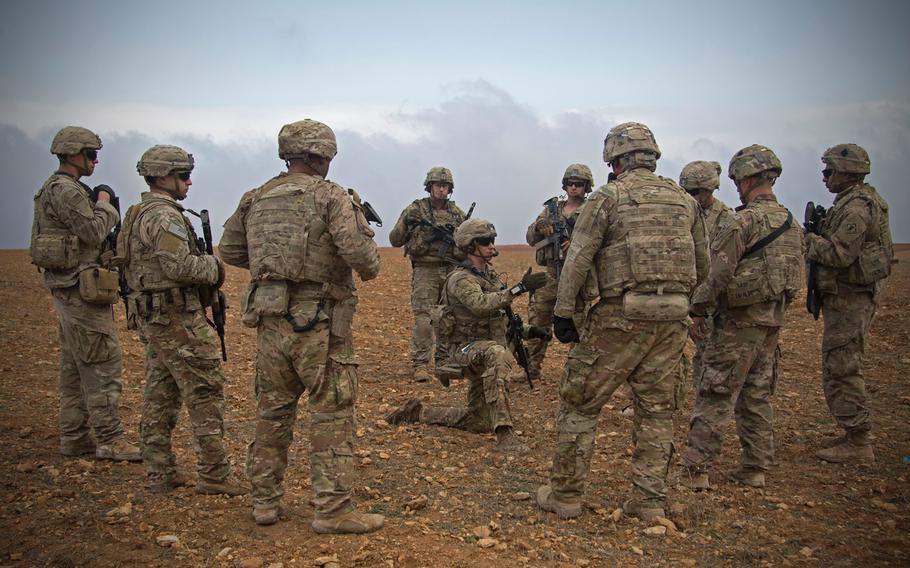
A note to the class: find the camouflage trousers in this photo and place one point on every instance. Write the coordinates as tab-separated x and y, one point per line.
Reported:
699	353
737	377
426	282
320	361
847	318
182	366
90	367
487	366
540	312
614	350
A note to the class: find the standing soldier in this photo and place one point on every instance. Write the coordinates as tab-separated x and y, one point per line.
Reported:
756	267
700	179
69	233
171	282
853	254
577	182
300	235
425	229
645	239
472	334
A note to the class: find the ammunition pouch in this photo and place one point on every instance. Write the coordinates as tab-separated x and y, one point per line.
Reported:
155	307
872	265
98	286
55	251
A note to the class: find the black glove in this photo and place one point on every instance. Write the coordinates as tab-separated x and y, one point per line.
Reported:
539	332
106	189
565	331
529	282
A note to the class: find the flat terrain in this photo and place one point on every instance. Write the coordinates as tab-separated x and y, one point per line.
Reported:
81	512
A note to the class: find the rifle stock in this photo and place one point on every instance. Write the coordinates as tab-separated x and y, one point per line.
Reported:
218	302
514	335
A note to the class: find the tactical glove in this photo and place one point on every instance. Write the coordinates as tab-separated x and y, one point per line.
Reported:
538	332
106	189
530	282
545	228
565	331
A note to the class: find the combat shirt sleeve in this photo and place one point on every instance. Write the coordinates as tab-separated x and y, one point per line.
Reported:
700	238
466	289
726	250
90	222
845	243
164	231
233	245
399	234
351	234
590	230
532	236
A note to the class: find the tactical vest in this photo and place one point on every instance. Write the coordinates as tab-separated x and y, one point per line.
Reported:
877	250
286	236
457	326
544	256
53	246
138	261
774	272
421	244
651	246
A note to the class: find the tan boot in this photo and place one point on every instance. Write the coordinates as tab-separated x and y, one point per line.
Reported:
266	515
857	448
834	441
507	442
422	373
227	487
79	449
563	509
695	480
168	485
118	450
645	512
749	477
353	522
409	412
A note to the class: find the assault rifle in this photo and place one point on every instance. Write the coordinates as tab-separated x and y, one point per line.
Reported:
111	240
372	216
445	234
514	334
558	238
814	215
219	303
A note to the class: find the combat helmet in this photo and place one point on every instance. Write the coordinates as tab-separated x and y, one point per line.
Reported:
439	174
473	229
848	159
629	137
753	160
700	175
72	140
579	171
297	139
163	159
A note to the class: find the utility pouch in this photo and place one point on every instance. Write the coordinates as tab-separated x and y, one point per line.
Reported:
655	307
343	317
264	298
98	286
55	252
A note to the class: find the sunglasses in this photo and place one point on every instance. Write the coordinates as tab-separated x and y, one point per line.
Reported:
693	192
573	183
90	154
826	173
184	176
485	241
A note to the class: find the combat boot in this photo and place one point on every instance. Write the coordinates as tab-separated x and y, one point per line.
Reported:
856	448
118	450
749	477
409	412
422	373
547	501
834	441
79	449
352	522
645	512
266	515
507	442
695	480
167	485
227	487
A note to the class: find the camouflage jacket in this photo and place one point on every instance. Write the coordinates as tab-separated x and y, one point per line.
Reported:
472	307
716	216
421	242
854	250
64	204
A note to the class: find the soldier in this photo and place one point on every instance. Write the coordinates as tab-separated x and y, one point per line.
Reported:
853	254
700	179
756	265
300	235
472	335
420	229
69	234
577	182
645	239
171	281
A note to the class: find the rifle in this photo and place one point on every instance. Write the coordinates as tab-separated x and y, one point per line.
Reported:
369	212
514	334
560	234
219	303
814	215
111	240
445	234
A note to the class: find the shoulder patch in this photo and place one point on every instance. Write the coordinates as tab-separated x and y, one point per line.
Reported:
177	229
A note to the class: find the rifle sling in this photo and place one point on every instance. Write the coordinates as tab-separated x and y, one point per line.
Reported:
769	238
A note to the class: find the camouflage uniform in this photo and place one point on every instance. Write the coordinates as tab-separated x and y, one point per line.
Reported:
644	238
853	254
66	220
429	267
170	278
747	294
300	235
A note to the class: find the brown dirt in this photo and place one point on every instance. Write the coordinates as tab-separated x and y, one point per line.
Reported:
54	509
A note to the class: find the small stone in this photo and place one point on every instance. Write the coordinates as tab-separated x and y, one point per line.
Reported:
25	432
805	551
521	496
481	532
616	515
144	527
384	456
381	424
366	461
582	562
884	505
254	562
324	560
890	524
26	467
276	565
16	556
487	542
494	526
638	551
665	522
688	562
167	540
417	503
224	552
659	530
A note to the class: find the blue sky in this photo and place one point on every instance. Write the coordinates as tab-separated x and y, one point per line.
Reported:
505	93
